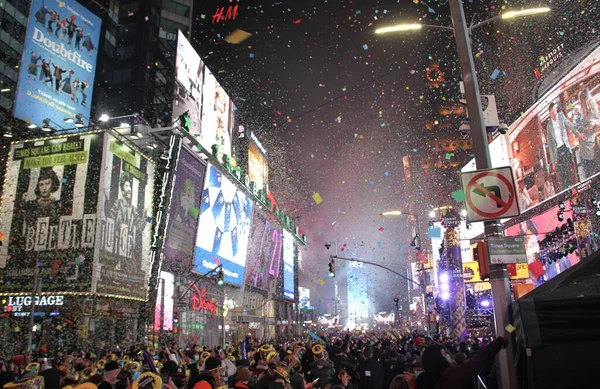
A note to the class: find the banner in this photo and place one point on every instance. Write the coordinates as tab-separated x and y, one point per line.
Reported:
258	166
471	272
217	115
124	221
224	227
57	70
264	252
163	311
288	266
48	213
180	238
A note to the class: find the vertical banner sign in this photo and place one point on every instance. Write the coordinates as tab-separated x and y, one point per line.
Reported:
180	236
458	305
288	265
258	166
163	312
124	221
264	252
56	76
224	228
48	213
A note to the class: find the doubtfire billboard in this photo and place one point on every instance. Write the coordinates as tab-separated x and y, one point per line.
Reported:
56	77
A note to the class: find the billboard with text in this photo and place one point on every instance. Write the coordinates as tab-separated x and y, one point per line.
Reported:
48	214
258	165
56	76
124	221
224	227
180	237
265	251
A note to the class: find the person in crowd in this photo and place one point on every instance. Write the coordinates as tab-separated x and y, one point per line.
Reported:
343	379
53	376
399	382
590	125
370	373
440	374
559	148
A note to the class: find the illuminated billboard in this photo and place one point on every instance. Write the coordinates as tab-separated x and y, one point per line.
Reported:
265	251
303	298
124	221
48	214
223	228
288	265
258	166
180	236
189	73
163	312
57	70
553	146
217	115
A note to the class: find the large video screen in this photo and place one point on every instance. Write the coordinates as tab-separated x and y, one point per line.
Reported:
180	237
124	221
265	251
303	298
189	73
553	146
258	166
48	213
163	311
217	115
288	266
224	227
56	77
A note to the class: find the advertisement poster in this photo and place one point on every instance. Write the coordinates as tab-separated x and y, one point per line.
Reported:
258	166
224	228
163	312
303	297
48	213
189	70
554	145
217	112
56	77
288	265
180	238
264	252
124	221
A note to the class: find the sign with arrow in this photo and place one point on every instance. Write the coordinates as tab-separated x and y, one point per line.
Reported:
490	194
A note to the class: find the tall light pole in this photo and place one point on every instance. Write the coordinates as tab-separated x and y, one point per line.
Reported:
498	273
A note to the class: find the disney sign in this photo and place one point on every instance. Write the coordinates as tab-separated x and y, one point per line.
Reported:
200	301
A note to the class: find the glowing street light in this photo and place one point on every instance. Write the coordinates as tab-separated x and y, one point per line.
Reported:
525	12
399	27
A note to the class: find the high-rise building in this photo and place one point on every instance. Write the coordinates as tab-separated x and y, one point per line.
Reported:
13	16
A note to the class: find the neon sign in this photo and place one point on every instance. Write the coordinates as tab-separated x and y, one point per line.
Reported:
200	301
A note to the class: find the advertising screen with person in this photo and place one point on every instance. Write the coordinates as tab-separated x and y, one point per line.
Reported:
258	166
180	237
554	145
224	227
56	76
124	221
265	251
48	213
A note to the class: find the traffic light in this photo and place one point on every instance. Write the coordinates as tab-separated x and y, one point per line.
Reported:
482	257
331	268
220	277
185	121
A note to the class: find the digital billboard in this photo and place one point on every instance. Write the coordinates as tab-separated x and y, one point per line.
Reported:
180	236
303	298
48	213
288	265
223	228
217	114
553	146
163	312
265	251
124	221
58	65
189	73
258	166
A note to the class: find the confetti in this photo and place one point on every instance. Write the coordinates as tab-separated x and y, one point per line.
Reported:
510	328
317	198
237	37
459	195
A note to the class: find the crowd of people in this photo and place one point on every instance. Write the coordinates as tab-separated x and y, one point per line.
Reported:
337	361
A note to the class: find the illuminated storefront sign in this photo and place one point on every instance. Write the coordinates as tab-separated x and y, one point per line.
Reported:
200	301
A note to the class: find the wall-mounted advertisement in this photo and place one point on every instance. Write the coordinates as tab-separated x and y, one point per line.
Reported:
554	145
163	312
48	213
258	166
56	77
288	265
124	221
265	252
303	297
224	227
180	238
189	73
217	115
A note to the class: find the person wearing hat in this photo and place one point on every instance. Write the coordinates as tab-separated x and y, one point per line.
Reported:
370	373
53	376
243	377
322	369
210	377
111	372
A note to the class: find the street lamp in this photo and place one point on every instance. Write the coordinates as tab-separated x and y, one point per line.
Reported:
416	243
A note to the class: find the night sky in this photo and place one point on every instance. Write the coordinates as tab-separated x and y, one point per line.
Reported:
338	107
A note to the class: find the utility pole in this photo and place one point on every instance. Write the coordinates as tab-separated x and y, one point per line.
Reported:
498	273
36	285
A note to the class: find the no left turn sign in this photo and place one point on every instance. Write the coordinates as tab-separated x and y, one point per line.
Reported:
490	194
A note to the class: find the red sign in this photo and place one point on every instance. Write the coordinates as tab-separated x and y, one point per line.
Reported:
221	15
200	302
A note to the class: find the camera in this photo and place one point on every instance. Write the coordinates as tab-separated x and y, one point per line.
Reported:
503	128
327	246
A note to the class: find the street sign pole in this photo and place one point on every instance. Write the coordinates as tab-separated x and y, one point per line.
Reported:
498	274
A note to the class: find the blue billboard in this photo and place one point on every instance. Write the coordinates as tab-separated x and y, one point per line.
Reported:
56	77
223	228
288	265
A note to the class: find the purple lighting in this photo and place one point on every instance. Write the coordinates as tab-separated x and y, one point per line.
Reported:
444	277
485	303
445	295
